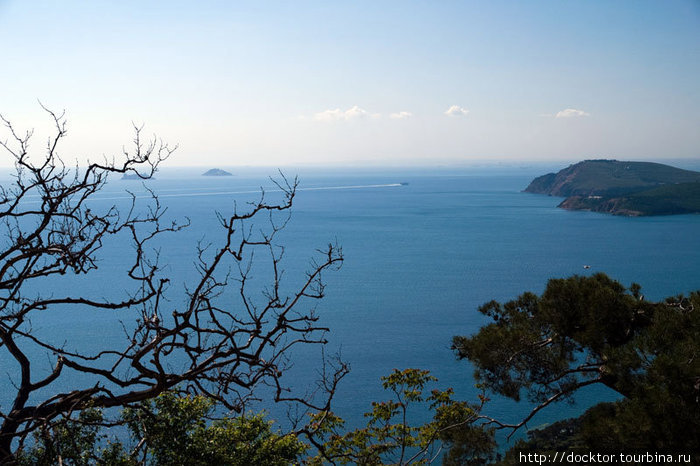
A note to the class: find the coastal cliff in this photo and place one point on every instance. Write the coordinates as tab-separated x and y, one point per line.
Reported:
623	188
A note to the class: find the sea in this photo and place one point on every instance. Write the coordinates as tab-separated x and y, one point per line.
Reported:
423	249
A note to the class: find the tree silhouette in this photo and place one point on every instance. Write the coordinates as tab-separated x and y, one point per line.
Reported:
204	346
592	330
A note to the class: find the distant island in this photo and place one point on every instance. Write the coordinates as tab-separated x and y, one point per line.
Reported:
623	188
216	172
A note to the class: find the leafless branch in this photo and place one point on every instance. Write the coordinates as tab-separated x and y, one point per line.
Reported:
208	345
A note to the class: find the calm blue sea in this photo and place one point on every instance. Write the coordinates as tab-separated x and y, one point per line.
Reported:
419	259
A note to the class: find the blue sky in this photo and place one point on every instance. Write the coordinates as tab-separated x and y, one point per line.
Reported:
360	83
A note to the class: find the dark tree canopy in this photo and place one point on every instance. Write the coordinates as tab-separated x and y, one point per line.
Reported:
592	330
206	345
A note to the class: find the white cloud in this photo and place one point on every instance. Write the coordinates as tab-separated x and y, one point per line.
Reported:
355	112
337	114
571	112
329	115
400	115
456	111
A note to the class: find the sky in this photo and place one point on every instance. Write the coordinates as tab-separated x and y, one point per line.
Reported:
358	83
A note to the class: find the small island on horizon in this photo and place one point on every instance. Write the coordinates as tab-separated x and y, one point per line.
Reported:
623	188
217	172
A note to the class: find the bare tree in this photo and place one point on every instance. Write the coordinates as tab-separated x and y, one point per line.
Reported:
206	345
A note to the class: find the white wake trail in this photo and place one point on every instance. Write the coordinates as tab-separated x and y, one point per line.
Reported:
228	193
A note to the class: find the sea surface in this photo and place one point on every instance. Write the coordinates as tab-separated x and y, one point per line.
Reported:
422	252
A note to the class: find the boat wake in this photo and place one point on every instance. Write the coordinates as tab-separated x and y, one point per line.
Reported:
229	193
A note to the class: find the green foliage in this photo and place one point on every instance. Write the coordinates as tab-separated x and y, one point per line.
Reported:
671	199
175	431
587	330
75	442
579	330
560	436
169	430
389	437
